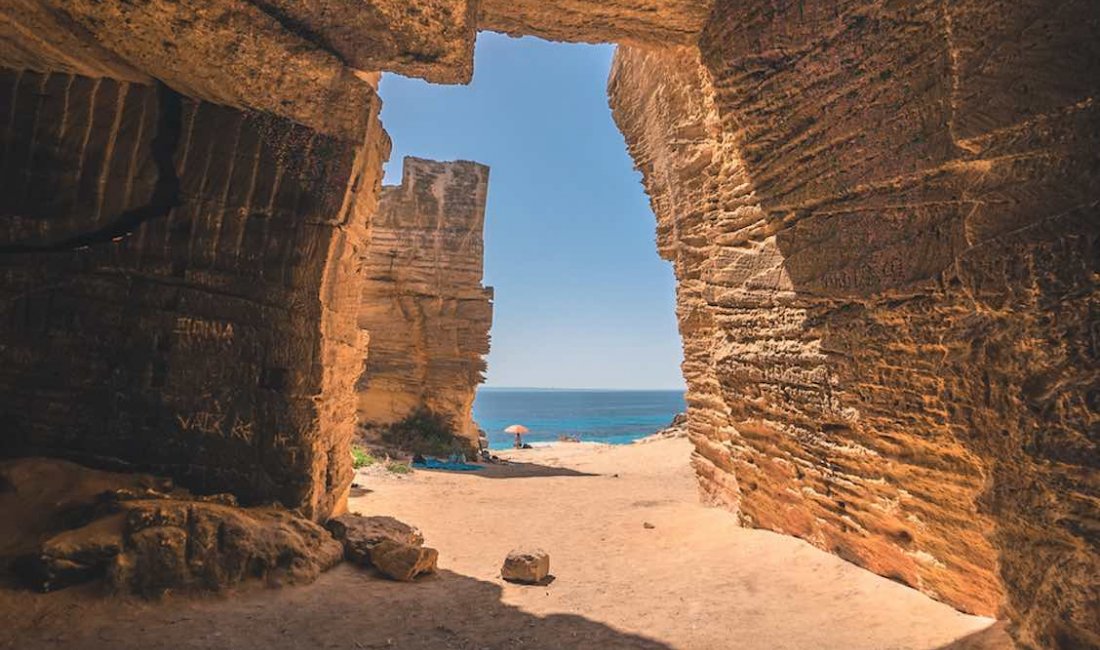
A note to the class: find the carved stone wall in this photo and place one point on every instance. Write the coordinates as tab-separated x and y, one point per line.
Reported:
423	304
178	283
884	222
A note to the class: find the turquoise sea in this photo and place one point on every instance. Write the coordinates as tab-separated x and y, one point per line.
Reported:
610	416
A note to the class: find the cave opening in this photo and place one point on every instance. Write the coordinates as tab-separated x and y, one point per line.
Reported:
881	218
581	303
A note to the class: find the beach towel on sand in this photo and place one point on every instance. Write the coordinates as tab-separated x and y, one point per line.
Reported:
432	463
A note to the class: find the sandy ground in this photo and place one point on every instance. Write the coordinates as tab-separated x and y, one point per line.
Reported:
695	580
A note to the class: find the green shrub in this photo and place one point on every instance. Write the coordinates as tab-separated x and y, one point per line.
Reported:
361	458
399	468
424	432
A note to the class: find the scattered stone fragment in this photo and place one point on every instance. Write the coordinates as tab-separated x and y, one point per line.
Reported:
403	562
360	534
648	525
526	566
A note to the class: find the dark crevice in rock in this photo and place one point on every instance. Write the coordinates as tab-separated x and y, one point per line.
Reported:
165	195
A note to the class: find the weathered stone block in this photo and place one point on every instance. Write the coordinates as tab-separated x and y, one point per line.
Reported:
526	566
403	562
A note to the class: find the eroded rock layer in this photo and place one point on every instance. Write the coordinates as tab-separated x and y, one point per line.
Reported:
178	283
298	59
656	23
884	220
423	304
67	524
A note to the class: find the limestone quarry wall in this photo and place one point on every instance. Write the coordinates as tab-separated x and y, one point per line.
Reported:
883	218
178	283
423	304
884	222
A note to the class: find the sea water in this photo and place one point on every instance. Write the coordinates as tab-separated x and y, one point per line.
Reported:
609	416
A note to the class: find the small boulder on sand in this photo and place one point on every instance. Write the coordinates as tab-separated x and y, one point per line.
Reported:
393	547
526	566
403	561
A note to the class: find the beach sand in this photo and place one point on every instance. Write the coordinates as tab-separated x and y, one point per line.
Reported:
695	580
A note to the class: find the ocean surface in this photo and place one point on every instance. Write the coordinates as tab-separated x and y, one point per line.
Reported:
609	416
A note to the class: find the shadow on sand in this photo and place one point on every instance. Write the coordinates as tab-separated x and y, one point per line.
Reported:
517	469
346	608
994	637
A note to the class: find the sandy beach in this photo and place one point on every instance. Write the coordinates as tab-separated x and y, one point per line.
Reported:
693	580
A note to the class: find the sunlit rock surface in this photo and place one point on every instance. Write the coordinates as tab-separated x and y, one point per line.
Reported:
423	304
886	248
883	218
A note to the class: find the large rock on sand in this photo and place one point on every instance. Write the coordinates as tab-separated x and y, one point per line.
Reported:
360	534
526	566
393	547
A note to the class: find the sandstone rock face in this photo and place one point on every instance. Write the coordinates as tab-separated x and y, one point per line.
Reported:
171	545
656	23
423	304
886	253
146	541
179	286
526	566
291	58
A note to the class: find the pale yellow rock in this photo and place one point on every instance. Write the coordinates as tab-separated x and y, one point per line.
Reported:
526	566
423	304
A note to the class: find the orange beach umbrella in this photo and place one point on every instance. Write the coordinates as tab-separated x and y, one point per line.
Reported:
516	428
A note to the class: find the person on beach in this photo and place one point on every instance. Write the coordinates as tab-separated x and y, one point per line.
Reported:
518	430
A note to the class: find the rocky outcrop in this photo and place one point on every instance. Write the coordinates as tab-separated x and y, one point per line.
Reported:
886	254
149	541
423	304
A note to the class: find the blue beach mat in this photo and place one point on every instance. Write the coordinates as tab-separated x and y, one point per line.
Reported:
432	463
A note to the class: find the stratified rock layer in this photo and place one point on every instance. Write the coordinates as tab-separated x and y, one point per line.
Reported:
887	253
179	286
656	23
423	304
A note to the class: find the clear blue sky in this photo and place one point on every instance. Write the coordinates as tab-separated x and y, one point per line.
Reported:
582	299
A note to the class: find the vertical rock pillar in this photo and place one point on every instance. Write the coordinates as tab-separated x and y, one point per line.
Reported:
423	304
